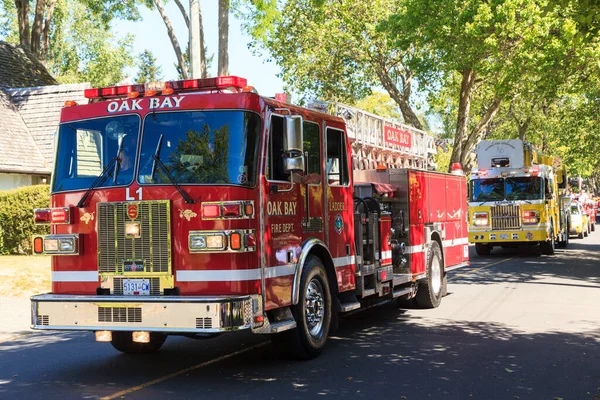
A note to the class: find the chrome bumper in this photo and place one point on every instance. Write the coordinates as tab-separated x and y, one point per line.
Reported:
167	314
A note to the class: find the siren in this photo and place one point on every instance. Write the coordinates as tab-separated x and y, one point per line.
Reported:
456	169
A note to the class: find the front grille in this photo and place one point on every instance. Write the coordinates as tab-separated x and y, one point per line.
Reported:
203	323
119	314
153	247
154	286
43	320
506	217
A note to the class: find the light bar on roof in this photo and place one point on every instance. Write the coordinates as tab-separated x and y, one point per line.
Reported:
234	83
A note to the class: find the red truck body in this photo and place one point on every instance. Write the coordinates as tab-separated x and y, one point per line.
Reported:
237	250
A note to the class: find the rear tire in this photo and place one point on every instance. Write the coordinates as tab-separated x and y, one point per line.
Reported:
593	226
312	315
483	249
580	235
430	291
123	342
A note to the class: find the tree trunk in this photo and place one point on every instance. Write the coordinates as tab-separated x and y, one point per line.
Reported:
467	156
36	29
46	30
174	42
401	99
202	47
223	37
462	121
183	13
23	18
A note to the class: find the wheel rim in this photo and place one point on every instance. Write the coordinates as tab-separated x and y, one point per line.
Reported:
315	307
436	275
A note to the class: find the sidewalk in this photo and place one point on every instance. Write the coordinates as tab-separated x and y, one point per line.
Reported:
15	317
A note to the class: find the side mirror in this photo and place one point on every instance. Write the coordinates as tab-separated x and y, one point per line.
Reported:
292	135
294	164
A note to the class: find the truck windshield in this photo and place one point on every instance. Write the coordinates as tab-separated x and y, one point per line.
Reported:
498	189
487	189
201	147
523	188
85	148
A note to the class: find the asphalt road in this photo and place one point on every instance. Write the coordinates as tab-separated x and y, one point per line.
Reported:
514	326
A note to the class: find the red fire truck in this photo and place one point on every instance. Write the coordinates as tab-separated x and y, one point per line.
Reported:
199	207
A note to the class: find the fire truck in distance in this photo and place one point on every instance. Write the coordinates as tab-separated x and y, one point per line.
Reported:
516	198
201	208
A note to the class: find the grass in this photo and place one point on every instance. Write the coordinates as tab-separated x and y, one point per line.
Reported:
24	276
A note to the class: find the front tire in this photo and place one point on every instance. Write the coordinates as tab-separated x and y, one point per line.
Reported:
483	249
430	291
123	342
312	315
548	247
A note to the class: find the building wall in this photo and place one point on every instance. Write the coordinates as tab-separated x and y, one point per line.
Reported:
13	181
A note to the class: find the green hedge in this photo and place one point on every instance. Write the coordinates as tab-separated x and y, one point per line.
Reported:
16	217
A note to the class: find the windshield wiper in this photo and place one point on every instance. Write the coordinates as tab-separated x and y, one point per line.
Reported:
157	154
98	182
162	166
118	160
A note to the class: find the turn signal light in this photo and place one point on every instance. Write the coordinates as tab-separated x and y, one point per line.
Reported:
249	209
235	240
531	217
38	245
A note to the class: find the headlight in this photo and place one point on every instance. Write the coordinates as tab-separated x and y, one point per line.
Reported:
132	230
480	219
59	244
206	241
197	242
51	245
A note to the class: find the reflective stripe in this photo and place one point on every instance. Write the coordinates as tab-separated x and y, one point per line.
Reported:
74	276
344	261
250	274
280	270
222	275
415	249
455	242
386	254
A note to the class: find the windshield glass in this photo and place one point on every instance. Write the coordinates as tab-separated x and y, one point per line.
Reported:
487	189
86	147
201	147
575	210
523	188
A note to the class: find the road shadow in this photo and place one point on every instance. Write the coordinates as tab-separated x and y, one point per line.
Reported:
379	353
579	262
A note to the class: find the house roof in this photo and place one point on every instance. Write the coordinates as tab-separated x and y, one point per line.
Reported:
18	150
20	68
40	109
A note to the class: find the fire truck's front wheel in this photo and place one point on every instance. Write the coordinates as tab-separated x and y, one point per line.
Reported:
429	293
123	341
312	315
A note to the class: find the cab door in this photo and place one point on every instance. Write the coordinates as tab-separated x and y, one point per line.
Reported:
340	207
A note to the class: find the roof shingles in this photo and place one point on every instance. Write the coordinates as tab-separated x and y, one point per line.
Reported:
20	68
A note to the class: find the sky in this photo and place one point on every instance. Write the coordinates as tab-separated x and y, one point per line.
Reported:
150	33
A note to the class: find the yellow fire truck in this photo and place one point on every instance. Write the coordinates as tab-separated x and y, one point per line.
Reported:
515	198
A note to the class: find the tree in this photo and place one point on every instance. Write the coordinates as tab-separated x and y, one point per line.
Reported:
77	45
223	37
488	51
35	23
333	49
148	70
